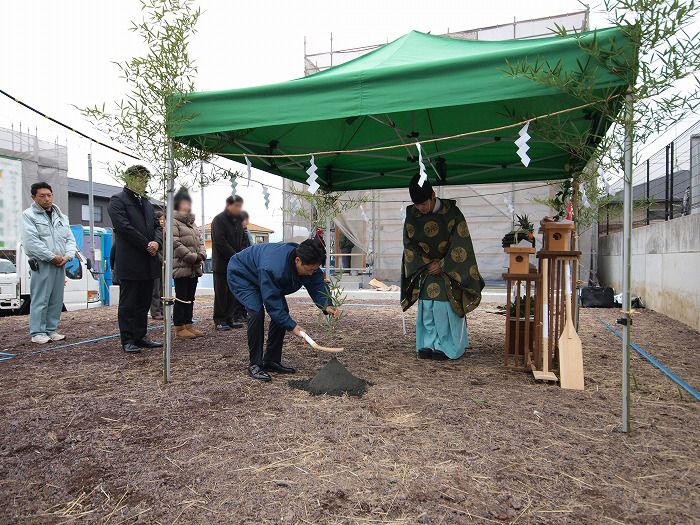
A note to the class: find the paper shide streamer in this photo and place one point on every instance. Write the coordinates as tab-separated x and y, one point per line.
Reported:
266	196
421	166
248	165
523	146
313	177
234	184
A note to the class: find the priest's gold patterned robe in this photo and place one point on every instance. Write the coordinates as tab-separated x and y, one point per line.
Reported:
441	236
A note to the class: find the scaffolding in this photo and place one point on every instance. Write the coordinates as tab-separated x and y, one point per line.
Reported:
515	30
41	161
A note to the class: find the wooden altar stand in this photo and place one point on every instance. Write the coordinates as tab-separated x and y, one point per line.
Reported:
523	334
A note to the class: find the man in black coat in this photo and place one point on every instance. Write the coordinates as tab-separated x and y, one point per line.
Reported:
228	238
139	236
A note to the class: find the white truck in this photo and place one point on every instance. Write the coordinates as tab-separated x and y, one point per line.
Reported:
82	287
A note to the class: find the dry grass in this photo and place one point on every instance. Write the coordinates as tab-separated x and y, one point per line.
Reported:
91	435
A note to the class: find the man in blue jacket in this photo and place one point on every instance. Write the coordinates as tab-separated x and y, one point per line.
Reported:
48	240
260	278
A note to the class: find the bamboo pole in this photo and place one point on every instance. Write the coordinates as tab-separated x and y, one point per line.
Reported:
627	266
168	253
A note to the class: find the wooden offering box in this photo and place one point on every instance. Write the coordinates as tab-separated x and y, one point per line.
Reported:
519	259
557	236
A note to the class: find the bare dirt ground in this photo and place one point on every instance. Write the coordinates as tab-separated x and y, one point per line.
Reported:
91	435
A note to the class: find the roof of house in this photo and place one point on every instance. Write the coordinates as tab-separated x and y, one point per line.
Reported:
252	228
82	187
98	189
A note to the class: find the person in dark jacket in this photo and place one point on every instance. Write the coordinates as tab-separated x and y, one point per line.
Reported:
228	239
260	278
138	237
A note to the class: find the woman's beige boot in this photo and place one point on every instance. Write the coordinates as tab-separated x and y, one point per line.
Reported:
181	332
193	330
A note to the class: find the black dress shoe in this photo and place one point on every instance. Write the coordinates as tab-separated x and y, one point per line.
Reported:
439	356
425	353
258	373
271	366
146	342
131	348
235	324
223	327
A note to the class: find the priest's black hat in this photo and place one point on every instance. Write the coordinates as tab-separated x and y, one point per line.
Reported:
418	193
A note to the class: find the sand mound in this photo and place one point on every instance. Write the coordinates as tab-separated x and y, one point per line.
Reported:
333	379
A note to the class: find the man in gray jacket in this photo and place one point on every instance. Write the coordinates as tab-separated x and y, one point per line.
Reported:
49	245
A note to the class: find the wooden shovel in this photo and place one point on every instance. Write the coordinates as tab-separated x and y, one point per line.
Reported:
319	347
570	351
545	374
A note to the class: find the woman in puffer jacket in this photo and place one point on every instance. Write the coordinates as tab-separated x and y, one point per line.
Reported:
188	256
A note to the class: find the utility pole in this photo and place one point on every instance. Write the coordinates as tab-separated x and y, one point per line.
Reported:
91	205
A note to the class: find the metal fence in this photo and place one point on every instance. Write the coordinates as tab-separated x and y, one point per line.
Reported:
666	185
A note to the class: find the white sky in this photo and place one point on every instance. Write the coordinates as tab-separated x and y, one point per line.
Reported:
59	54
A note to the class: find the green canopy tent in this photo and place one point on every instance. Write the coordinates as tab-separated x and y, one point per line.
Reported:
419	88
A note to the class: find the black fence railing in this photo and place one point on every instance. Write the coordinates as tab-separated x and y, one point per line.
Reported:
666	186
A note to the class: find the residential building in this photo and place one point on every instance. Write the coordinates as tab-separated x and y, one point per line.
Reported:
260	234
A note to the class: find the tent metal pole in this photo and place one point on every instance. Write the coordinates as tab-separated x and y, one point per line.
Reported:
91	206
201	183
627	265
167	277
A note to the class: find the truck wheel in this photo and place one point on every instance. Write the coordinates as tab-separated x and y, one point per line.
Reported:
25	302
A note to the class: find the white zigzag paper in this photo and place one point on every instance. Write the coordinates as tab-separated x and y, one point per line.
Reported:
311	181
233	186
423	174
523	146
248	165
266	196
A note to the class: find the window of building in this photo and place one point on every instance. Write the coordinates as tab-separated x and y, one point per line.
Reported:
86	213
259	239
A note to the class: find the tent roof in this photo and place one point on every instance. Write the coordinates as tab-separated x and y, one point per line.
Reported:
418	87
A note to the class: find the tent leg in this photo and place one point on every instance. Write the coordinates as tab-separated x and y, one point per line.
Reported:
167	277
627	266
328	247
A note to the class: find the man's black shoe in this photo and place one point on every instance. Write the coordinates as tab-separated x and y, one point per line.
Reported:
271	366
223	327
146	342
439	356
131	348
235	324
425	353
258	373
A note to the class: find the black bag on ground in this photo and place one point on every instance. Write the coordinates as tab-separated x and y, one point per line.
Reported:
597	297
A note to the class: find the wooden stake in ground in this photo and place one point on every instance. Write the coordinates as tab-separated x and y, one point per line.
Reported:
570	350
319	347
545	374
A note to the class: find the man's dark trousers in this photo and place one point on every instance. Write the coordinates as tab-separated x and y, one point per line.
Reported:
256	337
134	302
224	302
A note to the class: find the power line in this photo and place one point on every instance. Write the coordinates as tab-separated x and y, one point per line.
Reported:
41	113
